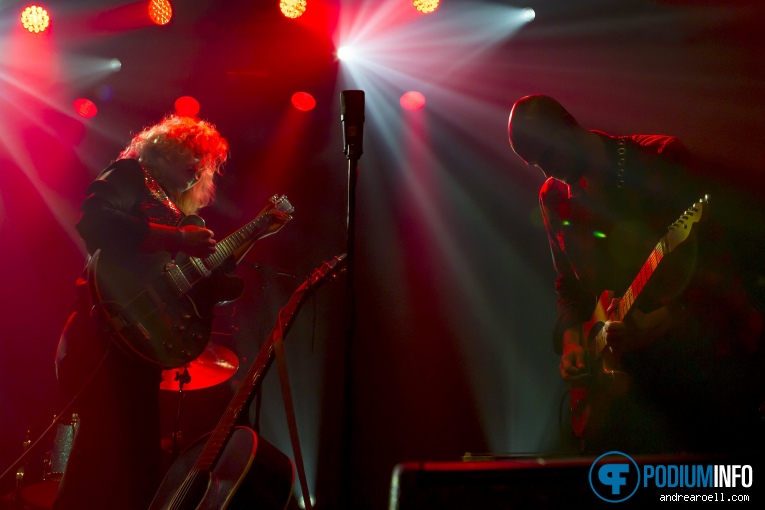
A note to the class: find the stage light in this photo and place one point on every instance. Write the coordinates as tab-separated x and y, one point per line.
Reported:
345	53
35	19
85	108
528	14
412	100
160	11
186	106
292	8
115	64
303	101
425	6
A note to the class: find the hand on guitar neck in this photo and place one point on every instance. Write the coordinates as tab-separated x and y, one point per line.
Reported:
192	240
638	330
198	241
277	219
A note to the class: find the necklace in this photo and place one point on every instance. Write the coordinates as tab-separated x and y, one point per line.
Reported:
621	159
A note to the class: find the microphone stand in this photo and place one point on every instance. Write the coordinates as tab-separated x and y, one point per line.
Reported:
352	117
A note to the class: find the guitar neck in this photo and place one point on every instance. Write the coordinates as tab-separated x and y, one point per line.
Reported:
200	268
634	290
244	394
231	244
640	281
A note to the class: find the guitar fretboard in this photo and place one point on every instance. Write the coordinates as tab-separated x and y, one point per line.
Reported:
200	268
241	399
640	281
634	290
226	248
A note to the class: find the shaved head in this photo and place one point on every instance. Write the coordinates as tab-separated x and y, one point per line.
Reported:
545	135
533	120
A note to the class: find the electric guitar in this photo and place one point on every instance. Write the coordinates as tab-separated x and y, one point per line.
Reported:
159	309
604	380
231	465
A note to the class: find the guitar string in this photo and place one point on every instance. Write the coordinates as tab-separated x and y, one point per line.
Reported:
190	265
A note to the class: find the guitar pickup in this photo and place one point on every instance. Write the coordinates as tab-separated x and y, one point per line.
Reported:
180	284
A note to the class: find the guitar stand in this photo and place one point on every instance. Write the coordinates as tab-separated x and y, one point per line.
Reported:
182	378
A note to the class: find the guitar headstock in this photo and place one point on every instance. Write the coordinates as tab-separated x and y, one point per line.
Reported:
681	228
281	203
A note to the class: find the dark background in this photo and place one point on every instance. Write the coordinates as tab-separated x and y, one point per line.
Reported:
451	349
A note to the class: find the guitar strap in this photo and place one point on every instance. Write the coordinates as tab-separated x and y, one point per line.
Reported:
289	408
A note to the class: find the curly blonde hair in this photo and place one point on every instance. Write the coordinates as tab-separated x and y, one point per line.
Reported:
184	134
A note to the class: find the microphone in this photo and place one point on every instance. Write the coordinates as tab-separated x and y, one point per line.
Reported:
352	118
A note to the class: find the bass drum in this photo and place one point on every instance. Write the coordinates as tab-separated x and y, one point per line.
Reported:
40	495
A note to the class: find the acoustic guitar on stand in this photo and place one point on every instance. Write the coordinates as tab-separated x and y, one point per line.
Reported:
232	467
591	395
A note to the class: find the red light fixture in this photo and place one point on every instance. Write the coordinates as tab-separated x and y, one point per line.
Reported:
85	108
186	106
160	11
292	8
35	19
412	100
303	101
425	6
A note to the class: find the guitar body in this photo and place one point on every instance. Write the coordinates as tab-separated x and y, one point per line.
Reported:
590	398
250	473
159	309
152	320
592	395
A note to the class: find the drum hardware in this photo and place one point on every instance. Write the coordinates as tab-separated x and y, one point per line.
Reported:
214	366
42	493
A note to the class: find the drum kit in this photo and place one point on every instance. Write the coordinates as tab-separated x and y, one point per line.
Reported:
36	488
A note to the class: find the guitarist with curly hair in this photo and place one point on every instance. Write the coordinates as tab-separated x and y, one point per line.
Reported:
133	212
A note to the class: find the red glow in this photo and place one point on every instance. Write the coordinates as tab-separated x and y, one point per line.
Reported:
35	19
186	106
303	101
85	107
160	11
412	100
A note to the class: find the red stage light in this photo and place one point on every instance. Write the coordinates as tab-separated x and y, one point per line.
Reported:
412	100
35	19
160	11
186	106
292	8
85	108
303	101
425	6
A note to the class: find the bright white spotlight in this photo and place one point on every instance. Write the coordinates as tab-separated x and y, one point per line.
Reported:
528	14
346	53
115	64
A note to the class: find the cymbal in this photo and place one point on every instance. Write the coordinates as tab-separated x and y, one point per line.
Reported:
215	365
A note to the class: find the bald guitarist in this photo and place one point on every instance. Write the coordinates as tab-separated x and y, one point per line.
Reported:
606	203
